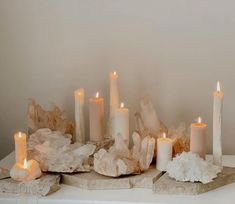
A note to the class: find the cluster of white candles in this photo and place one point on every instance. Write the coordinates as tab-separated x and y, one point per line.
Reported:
197	137
119	124
119	115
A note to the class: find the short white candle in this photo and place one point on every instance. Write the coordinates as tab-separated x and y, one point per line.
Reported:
217	124
96	116
198	138
121	123
164	152
20	147
79	115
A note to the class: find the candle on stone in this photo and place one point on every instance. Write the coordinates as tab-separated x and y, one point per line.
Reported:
198	138
20	147
121	123
164	152
114	99
79	115
96	116
217	123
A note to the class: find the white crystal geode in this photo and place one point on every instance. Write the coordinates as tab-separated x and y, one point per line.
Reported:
190	167
55	153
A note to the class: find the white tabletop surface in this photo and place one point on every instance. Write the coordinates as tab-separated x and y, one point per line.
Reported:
72	195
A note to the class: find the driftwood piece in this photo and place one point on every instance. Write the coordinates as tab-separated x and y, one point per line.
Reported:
53	119
43	186
95	181
167	185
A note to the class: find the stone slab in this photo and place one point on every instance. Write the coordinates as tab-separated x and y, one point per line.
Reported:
43	186
167	185
95	181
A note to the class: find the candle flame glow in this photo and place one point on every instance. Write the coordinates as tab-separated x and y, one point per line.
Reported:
97	95
20	134
164	135
122	105
114	73
218	87
25	164
199	120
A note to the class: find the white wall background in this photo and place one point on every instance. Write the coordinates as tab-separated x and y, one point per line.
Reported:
173	51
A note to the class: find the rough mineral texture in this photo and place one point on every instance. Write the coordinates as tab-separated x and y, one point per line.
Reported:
148	123
167	185
4	173
53	119
43	186
95	181
55	153
119	160
190	167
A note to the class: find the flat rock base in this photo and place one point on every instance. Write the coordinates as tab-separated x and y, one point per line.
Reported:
43	186
95	181
167	185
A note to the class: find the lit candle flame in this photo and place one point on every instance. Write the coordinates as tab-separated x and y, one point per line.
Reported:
97	95
122	105
20	134
199	120
164	135
25	164
114	73
218	87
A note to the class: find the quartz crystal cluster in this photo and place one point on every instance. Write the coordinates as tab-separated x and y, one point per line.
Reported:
190	167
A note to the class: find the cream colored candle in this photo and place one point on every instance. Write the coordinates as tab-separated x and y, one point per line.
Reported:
79	115
96	115
164	152
121	123
20	147
114	94
198	138
217	124
114	100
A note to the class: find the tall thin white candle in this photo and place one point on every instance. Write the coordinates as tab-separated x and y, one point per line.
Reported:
217	123
79	115
114	100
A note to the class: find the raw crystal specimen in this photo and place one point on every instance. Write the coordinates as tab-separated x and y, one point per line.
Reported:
119	160
181	139
148	123
19	173
190	167
55	153
54	119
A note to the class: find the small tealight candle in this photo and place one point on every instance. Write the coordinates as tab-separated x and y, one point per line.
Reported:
96	115
164	152
121	123
198	138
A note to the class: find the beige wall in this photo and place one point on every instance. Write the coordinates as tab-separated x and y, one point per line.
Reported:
173	51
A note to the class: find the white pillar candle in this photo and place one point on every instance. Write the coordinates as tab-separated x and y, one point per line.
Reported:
79	115
198	138
217	123
96	115
164	152
121	123
114	100
20	147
